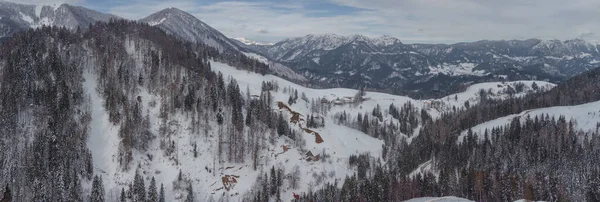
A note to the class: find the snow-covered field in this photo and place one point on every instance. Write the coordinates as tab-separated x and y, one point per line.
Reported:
586	117
496	91
456	69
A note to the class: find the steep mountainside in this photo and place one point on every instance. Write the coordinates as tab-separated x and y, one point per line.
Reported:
78	105
189	28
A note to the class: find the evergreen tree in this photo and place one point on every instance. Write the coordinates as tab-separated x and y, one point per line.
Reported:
122	198
139	189
273	181
282	125
265	188
295	95
161	198
190	194
534	86
220	117
195	152
152	193
97	190
249	115
278	195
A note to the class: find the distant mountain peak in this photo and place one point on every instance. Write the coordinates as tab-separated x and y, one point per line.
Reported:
247	41
386	40
174	10
331	41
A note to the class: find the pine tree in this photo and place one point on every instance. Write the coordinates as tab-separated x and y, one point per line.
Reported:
139	189
152	194
248	97
279	177
97	190
220	117
249	115
266	187
235	98
295	95
195	151
161	198
221	92
282	125
122	198
273	181
534	86
278	195
190	194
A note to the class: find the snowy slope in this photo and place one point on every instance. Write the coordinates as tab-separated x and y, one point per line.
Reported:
586	117
339	142
187	27
206	172
496	91
427	167
254	81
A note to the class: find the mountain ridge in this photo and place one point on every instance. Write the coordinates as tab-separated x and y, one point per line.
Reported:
356	61
19	17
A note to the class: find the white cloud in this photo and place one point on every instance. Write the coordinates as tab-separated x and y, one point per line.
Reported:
46	2
427	21
468	20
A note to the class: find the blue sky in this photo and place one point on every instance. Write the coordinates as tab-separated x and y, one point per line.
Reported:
412	21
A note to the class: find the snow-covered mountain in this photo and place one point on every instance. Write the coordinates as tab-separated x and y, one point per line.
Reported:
315	45
385	63
554	57
18	17
186	26
349	61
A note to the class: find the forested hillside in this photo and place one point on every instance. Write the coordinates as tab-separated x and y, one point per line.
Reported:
542	157
46	109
